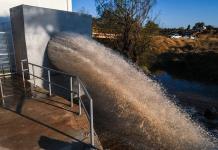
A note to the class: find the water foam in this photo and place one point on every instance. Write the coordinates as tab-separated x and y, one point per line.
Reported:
128	104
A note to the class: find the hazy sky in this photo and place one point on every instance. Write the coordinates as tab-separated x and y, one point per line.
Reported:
171	13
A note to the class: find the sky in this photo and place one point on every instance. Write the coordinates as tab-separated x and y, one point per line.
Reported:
170	13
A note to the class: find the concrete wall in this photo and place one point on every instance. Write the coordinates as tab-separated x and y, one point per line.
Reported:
5	25
32	28
5	5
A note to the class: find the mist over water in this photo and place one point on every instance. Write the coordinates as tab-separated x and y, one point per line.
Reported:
128	105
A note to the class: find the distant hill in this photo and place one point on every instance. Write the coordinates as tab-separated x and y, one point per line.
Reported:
204	42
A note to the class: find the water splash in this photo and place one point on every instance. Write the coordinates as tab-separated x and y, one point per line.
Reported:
128	105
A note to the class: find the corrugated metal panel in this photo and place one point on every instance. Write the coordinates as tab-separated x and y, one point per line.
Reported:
4	52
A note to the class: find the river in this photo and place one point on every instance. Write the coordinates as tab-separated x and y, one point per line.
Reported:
192	96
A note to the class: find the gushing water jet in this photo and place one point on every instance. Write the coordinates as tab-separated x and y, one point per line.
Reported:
128	104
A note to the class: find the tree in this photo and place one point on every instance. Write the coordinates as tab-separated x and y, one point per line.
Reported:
128	17
199	26
188	27
210	27
151	28
107	23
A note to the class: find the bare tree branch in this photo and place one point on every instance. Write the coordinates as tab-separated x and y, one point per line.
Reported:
131	15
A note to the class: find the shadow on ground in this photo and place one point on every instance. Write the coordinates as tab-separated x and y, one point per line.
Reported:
48	143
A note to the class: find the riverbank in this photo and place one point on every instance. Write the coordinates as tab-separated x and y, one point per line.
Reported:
193	59
190	59
198	66
161	44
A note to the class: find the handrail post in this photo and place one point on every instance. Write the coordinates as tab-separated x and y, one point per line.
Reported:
49	82
79	98
2	93
71	91
3	71
23	77
34	81
91	124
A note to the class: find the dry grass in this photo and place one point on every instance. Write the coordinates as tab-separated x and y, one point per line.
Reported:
162	44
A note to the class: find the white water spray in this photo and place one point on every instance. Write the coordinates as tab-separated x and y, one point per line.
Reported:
128	105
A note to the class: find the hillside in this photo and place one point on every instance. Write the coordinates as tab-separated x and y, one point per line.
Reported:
161	44
192	59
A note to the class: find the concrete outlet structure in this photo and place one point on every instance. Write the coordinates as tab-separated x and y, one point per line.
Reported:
32	28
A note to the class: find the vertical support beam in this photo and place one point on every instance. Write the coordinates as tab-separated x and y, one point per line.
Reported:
34	80
67	6
2	93
79	98
49	82
10	70
3	71
23	76
71	91
92	136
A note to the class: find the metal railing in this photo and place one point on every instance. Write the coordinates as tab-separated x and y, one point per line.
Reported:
6	50
4	73
2	92
6	69
72	93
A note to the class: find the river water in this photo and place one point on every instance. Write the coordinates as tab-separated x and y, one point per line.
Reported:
194	97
